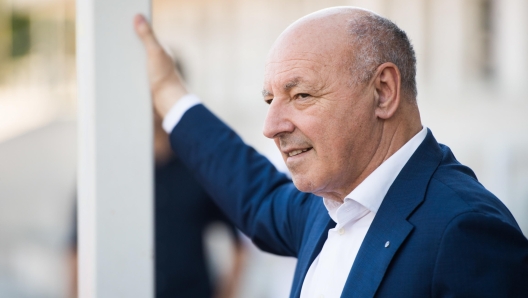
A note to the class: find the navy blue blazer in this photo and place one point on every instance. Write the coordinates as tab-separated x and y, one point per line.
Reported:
448	236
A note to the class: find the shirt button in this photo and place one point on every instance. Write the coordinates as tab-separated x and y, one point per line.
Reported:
341	231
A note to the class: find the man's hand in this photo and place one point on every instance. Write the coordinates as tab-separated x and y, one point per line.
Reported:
166	84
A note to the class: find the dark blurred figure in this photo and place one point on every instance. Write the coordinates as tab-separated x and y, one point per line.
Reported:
183	212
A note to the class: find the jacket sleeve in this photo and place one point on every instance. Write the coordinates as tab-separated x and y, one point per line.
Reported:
481	256
262	202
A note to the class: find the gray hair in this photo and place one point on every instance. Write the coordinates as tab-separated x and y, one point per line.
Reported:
377	40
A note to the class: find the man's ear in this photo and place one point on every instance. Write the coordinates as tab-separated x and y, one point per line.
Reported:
387	82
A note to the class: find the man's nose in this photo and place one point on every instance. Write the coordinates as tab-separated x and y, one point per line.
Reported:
278	120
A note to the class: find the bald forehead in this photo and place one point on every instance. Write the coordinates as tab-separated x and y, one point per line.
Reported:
323	32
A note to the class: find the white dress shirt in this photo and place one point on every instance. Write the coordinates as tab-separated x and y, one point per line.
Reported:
328	273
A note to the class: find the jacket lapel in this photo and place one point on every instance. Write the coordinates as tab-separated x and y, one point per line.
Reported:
314	244
386	234
390	227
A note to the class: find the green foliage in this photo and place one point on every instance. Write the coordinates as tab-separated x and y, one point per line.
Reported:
20	36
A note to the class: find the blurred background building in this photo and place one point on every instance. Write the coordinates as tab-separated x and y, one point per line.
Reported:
472	72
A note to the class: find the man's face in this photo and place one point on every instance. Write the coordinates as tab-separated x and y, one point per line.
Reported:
324	126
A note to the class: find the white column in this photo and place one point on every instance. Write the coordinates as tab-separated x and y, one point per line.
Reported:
115	153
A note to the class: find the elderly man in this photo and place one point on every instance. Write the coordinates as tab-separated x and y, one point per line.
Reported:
398	217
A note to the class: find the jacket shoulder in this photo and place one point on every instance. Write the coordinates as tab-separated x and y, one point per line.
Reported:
457	188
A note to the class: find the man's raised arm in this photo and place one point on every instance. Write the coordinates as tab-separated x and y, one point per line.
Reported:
262	202
165	82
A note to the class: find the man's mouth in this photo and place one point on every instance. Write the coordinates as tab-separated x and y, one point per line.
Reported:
297	152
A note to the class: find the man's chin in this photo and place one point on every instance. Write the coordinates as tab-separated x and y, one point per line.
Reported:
303	184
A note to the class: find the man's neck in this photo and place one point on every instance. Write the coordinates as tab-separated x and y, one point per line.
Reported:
393	137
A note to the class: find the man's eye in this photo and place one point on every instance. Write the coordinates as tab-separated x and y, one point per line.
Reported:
268	101
303	95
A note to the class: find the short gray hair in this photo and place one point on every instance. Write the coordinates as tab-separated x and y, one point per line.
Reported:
377	40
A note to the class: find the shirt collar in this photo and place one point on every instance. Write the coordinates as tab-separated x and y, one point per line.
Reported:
371	191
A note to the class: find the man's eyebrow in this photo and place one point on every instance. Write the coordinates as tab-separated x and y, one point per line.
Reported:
266	93
293	83
287	87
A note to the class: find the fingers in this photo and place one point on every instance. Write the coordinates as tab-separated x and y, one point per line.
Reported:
155	52
145	33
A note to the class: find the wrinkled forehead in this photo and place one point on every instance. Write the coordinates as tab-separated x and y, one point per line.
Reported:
310	71
304	56
289	60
